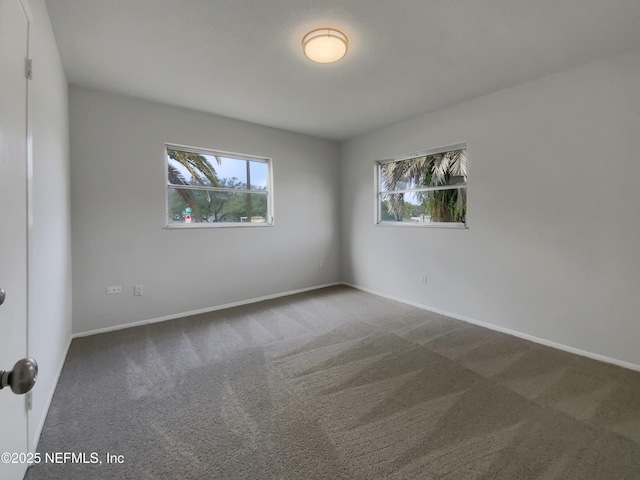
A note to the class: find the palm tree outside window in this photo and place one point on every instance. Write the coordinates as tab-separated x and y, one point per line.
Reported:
424	189
211	188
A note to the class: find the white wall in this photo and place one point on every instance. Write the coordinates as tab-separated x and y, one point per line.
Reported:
50	230
554	223
118	213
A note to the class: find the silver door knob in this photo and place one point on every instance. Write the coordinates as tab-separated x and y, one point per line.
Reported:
22	378
3	295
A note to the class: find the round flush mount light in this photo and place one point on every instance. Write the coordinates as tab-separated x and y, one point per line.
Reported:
325	45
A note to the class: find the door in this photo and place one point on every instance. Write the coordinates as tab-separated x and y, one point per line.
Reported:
14	34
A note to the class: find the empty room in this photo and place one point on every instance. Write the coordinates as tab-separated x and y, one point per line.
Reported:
320	239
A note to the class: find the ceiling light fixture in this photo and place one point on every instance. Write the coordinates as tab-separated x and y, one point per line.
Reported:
325	45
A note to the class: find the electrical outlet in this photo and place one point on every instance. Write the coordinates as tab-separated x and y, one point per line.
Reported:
114	290
137	290
423	279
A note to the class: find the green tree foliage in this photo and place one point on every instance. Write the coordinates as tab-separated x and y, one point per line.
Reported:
220	206
446	168
406	210
211	205
232	207
202	174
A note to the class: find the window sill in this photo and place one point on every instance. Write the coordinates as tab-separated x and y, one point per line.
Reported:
455	226
178	226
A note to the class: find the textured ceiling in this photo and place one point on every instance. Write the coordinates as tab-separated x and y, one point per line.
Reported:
243	58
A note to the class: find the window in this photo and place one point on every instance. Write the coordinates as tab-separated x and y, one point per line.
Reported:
426	189
212	189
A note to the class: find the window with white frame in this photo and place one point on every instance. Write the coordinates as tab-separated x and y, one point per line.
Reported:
211	188
424	189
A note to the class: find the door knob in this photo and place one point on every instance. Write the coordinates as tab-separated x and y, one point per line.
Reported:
3	295
22	378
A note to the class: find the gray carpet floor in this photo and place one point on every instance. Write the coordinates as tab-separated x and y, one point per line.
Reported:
338	383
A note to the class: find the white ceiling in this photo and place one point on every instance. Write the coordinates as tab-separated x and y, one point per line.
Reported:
243	58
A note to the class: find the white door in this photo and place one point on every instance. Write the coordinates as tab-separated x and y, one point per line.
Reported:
14	32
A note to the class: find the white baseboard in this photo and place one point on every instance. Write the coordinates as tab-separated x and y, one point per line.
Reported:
525	336
33	442
202	310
